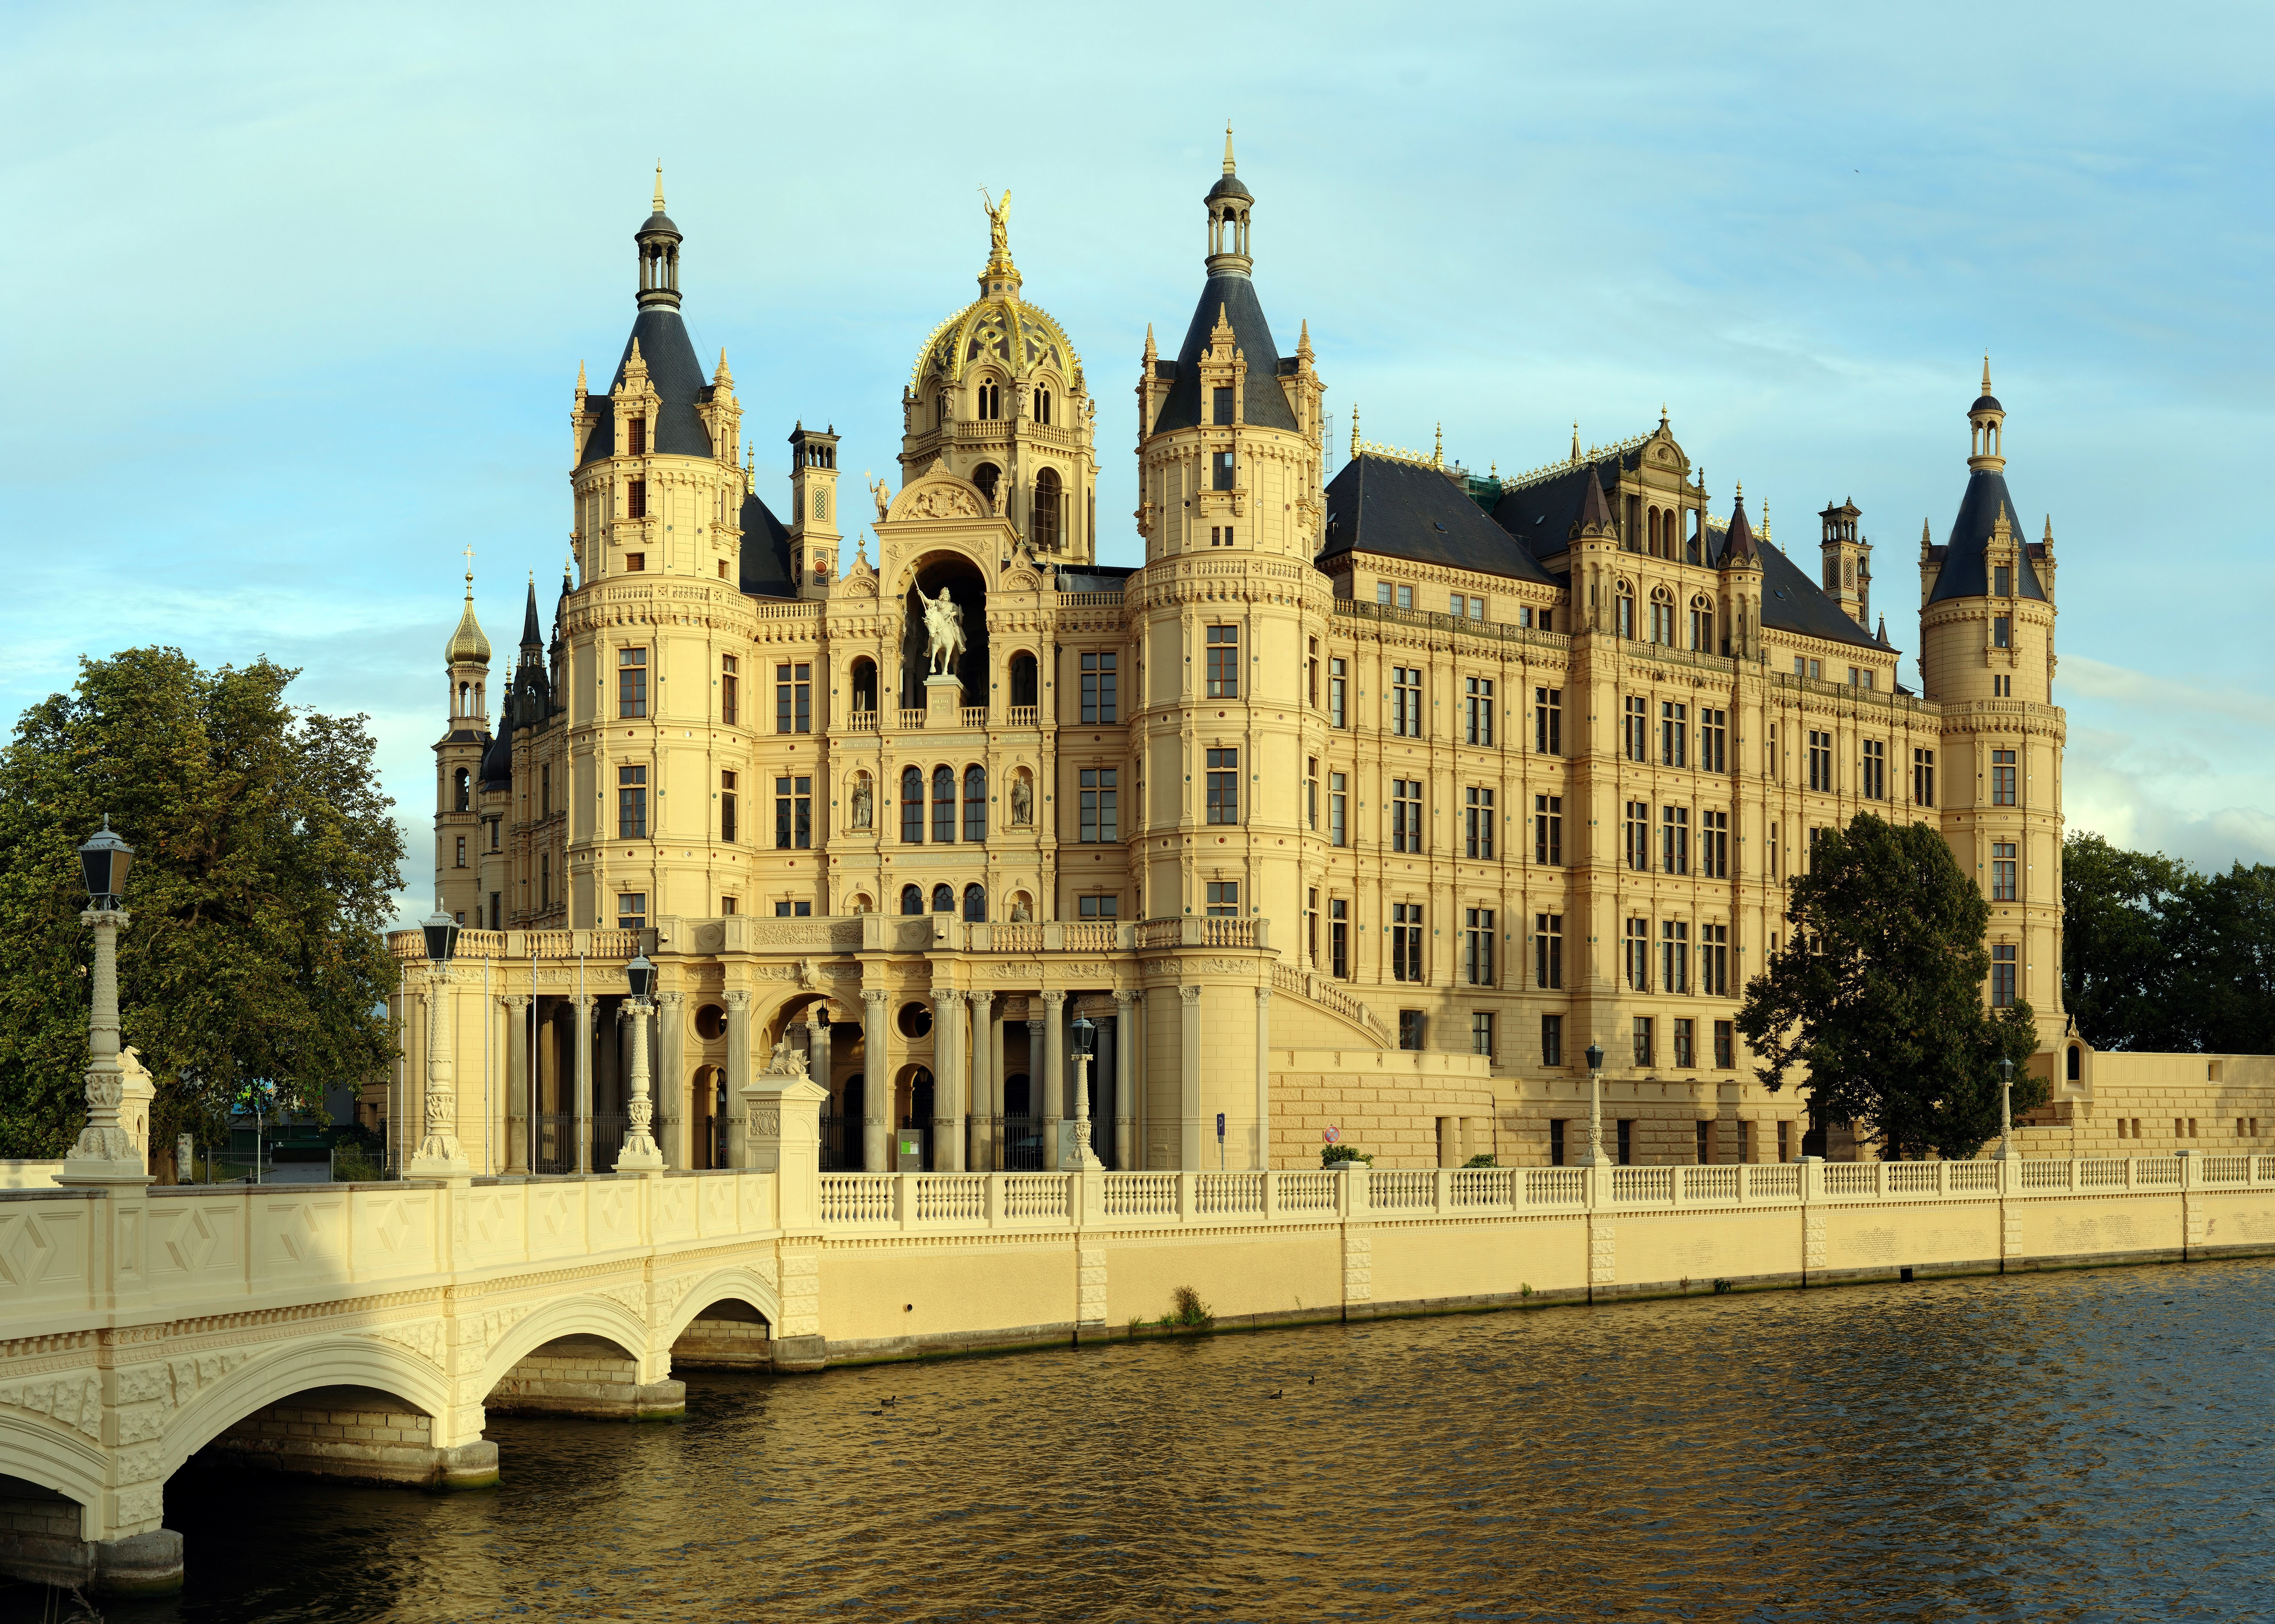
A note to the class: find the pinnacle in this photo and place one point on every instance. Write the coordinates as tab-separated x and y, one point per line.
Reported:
659	186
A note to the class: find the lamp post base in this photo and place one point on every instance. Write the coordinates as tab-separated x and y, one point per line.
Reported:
640	1156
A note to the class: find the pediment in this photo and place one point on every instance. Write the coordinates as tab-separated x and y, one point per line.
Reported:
938	494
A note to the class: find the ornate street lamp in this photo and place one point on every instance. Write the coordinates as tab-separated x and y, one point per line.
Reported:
439	1154
1085	1036
106	1153
640	1153
2005	1109
1595	1154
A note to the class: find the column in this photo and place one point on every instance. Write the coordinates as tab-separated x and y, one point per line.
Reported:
670	1089
947	1121
818	1044
1054	1075
516	1082
984	1083
582	1104
738	1073
996	1103
876	1082
1194	1136
1035	1075
1264	1077
1125	1079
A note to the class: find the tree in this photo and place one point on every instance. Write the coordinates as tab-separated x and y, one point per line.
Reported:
2121	914
265	860
1878	992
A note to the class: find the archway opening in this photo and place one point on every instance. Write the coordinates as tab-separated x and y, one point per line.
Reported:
967	588
1023	679
585	1375
729	1334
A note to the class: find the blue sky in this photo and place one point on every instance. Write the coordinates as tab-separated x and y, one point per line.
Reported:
300	293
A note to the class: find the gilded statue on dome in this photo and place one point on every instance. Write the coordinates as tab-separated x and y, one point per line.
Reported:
999	220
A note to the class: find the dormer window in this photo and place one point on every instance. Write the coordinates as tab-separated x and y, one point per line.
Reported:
636	437
2003	581
1222	404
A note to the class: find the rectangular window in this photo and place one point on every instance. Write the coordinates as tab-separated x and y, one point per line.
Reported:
545	880
1548	950
1644	1051
730	687
545	791
462	851
1714	845
2002	778
1311	675
1874	784
913	806
1481	1032
1406	597
1223	899
1406	942
1312	927
1685	1059
1638	948
2003	581
728	905
1673	733
1312	793
1455	606
2002	631
636	561
2003	959
636	499
1477	946
1409	1029
1220	405
1714	960
1674	956
1478	837
1725	1044
793	814
1406	701
1775	872
1674	839
975	804
1338	829
2002	871
1339	937
1106	907
631	911
1552	1042
1098	685
636	438
1477	710
943	806
1555	1130
1548	721
1338	672
793	910
631	802
1382	591
1636	728
1100	817
1773	762
726	808
793	698
1714	733
1406	814
1820	760
1637	830
1224	786
632	682
1548	829
1224	662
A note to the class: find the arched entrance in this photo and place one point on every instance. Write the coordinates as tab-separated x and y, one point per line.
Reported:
913	1101
969	590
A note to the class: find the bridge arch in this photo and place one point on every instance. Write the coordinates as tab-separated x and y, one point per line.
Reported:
734	1284
586	1316
333	1361
58	1458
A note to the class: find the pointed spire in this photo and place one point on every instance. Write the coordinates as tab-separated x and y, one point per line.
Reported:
1986	371
1228	146
1595	512
721	378
1925	543
1739	551
659	186
531	637
1152	354
581	389
1438	452
2002	528
1575	443
2049	543
1303	341
1883	638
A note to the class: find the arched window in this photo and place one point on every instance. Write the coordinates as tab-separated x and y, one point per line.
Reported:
911	899
462	792
943	805
943	899
1047	506
1701	624
1650	533
975	904
1623	608
943	423
975	805
465	698
864	684
912	805
860	903
990	401
1023	679
986	477
1042	405
1662	616
1691	544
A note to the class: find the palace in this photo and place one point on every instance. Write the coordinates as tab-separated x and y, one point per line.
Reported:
1366	804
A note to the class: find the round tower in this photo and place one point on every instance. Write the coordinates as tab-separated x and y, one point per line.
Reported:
1987	661
459	766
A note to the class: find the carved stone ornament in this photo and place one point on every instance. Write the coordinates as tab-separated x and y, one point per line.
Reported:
785	1061
1023	802
942	501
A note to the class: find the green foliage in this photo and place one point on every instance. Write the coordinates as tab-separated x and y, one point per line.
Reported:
2159	957
1187	1309
1483	1160
1336	1155
265	858
1878	994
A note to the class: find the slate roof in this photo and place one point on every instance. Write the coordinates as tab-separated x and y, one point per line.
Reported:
1964	574
497	760
1541	516
1402	509
531	637
766	560
1095	578
1793	602
1264	401
679	382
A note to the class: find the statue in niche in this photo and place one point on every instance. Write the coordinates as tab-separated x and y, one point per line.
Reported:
1020	912
944	628
864	802
1023	802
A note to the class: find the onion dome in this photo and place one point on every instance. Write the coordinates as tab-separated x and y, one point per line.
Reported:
468	646
998	329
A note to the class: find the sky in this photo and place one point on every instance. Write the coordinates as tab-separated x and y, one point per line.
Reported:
299	293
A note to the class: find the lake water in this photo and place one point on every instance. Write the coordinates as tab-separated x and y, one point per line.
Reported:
2083	1446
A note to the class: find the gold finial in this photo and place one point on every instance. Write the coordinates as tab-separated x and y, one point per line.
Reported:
659	186
470	571
999	226
1228	146
1662	417
1437	454
1354	429
1766	518
1738	491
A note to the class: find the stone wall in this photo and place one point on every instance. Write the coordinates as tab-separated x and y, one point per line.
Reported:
2153	1104
727	1336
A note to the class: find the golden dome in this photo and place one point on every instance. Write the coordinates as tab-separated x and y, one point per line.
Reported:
1016	336
468	646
